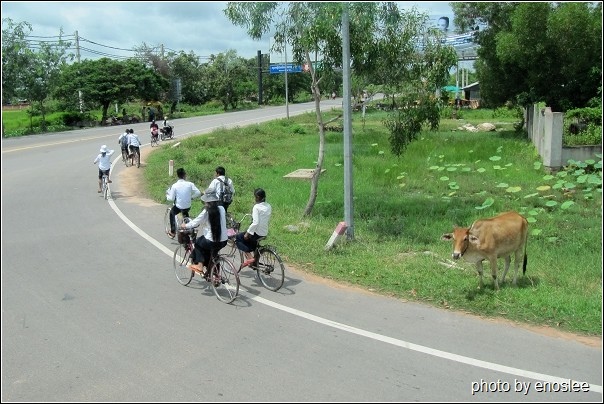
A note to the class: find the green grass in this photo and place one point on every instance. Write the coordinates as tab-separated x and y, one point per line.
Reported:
403	205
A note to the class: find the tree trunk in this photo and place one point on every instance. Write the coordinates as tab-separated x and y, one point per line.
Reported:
104	118
314	182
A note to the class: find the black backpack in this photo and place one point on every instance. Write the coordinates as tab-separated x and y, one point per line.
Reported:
225	195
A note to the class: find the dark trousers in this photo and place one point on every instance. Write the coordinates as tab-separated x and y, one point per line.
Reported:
203	250
246	245
175	211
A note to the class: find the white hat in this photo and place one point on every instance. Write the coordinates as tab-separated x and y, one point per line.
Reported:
209	197
104	148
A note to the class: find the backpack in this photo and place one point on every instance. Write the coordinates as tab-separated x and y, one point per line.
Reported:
225	195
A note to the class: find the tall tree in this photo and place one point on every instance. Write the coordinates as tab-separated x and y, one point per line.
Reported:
30	73
16	56
312	30
532	52
106	81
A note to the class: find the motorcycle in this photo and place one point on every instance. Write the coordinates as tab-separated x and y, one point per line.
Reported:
167	132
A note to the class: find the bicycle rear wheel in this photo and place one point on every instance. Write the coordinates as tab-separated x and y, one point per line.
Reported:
180	261
270	269
167	227
125	157
225	280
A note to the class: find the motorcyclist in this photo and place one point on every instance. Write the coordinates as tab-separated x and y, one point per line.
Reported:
167	128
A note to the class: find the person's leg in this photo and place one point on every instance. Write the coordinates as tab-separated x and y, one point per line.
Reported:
100	181
108	178
173	212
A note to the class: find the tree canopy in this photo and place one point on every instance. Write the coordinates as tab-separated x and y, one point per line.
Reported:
532	52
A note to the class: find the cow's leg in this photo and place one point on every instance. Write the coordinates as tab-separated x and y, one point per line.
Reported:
508	259
493	262
518	256
479	269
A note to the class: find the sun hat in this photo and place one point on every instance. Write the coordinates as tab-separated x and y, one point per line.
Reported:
209	197
104	148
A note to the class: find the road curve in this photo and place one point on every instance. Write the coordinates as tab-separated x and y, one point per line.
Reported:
91	310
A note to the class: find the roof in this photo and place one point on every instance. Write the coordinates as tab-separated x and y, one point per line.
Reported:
470	86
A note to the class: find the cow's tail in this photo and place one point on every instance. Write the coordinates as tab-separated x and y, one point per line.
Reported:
525	257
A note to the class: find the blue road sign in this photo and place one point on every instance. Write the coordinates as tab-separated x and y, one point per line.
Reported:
280	68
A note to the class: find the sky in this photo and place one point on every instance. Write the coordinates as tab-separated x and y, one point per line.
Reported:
113	29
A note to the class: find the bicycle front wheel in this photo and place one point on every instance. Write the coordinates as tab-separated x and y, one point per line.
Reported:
167	226
180	261
105	188
225	280
270	269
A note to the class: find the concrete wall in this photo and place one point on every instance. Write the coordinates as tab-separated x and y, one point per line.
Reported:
545	129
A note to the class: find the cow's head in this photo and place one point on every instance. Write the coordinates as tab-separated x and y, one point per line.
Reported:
461	240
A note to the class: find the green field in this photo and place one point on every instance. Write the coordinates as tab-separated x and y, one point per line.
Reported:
402	206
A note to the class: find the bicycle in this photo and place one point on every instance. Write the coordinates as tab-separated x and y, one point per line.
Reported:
105	186
125	157
221	273
177	221
154	139
136	155
267	263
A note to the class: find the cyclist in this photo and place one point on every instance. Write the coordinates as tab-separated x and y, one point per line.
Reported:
261	214
104	164
181	192
219	182
134	143
212	220
123	141
154	128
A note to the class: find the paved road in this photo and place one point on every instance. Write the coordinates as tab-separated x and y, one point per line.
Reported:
91	310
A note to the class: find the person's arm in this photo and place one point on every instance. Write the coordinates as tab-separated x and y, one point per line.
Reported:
203	216
232	186
195	192
255	217
110	152
170	193
96	160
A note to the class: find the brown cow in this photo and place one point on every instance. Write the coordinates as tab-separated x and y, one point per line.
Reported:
492	238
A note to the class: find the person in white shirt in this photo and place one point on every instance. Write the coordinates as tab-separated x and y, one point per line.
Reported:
181	193
261	216
212	220
134	142
104	164
220	181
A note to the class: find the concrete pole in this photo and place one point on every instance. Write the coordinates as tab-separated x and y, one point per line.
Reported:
348	191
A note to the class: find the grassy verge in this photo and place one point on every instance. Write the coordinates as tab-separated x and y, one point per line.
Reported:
403	205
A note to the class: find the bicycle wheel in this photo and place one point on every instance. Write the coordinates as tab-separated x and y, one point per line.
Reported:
225	280
270	269
167	227
180	261
154	141
105	188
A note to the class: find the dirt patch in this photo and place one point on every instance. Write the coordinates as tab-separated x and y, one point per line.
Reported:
131	179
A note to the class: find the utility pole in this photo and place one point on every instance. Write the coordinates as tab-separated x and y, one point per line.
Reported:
259	78
286	89
77	41
348	192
